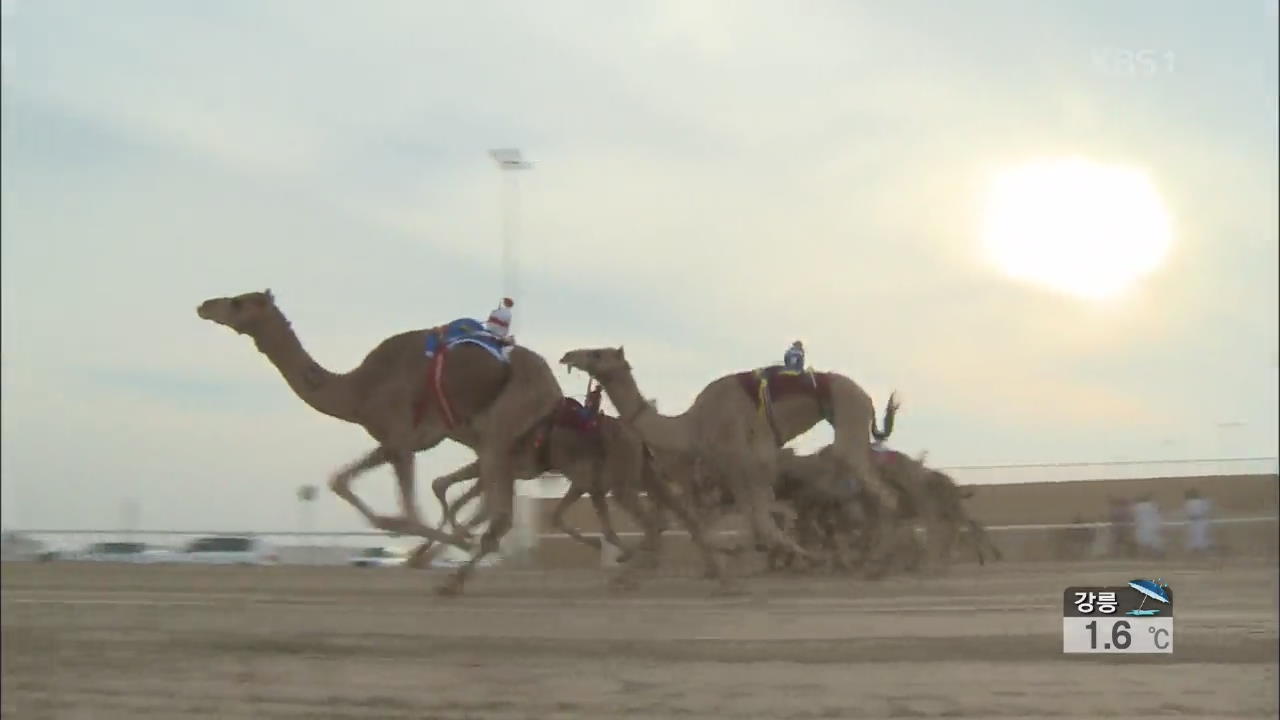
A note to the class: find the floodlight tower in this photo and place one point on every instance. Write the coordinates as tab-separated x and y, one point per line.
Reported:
510	161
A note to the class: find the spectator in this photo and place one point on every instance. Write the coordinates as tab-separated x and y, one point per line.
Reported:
1147	527
1121	528
1197	510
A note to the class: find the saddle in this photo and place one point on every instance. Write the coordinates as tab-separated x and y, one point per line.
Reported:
438	342
767	384
460	331
569	414
885	456
573	415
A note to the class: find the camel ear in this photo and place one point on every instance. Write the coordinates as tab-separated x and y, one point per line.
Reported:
622	352
270	297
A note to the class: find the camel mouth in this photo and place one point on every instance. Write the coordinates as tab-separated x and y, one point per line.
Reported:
569	367
202	311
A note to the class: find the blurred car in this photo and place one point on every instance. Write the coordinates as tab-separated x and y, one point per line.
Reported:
380	557
452	560
227	550
17	546
121	552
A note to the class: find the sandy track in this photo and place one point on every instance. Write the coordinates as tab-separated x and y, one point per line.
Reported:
106	642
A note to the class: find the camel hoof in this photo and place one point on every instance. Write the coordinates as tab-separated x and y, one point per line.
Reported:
624	556
647	560
623	582
449	589
393	525
874	571
420	559
729	588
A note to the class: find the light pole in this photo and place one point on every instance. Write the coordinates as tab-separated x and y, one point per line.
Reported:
306	495
129	518
510	161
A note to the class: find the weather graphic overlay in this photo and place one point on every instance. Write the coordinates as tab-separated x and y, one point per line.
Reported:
1127	619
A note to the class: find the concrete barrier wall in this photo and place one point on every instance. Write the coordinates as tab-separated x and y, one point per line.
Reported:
1259	538
998	507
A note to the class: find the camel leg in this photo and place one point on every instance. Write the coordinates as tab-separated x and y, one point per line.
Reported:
600	504
664	498
756	482
557	517
498	484
649	520
440	486
421	556
450	512
847	518
982	542
480	517
340	483
940	534
884	529
649	516
463	530
410	522
775	553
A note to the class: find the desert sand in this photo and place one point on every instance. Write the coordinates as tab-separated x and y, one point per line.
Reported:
99	641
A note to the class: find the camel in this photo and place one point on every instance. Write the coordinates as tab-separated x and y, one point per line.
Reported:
472	397
938	500
737	424
829	509
597	459
927	495
949	498
623	465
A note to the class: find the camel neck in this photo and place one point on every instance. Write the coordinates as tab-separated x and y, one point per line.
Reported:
660	431
624	394
323	390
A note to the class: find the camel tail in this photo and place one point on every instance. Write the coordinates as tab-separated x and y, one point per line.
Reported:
890	412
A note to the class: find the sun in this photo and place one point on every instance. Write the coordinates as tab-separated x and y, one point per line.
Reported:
1075	226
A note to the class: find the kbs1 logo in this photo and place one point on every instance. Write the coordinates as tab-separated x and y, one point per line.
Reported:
1133	62
1133	618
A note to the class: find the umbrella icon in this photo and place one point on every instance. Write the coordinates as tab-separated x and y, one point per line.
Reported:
1153	589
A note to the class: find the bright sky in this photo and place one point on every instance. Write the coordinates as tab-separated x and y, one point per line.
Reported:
714	180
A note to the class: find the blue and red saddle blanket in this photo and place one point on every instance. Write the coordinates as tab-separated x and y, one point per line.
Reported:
460	331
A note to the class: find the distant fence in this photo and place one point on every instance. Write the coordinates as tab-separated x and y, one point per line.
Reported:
337	547
1110	470
554	485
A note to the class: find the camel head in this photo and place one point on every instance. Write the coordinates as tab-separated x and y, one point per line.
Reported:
242	313
599	363
941	481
